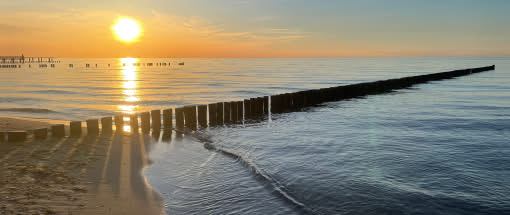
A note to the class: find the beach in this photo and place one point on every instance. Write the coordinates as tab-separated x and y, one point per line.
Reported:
75	175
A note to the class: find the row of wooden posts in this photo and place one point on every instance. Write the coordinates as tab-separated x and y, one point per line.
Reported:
193	117
133	64
9	66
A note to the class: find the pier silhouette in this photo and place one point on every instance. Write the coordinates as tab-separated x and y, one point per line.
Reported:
23	59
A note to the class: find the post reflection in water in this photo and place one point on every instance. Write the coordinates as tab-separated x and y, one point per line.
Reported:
129	85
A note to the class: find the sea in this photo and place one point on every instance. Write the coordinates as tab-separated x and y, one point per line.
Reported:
441	147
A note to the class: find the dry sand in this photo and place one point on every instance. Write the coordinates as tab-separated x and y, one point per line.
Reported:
76	175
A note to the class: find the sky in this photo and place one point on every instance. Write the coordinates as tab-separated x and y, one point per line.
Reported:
257	28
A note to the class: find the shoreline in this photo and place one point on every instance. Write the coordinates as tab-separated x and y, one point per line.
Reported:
15	123
90	174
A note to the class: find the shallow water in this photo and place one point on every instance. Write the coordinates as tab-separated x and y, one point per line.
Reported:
436	148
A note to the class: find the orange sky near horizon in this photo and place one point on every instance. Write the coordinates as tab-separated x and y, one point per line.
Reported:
87	32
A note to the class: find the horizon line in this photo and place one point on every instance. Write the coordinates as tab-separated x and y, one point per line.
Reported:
448	56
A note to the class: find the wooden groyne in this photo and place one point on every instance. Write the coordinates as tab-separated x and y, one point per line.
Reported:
194	117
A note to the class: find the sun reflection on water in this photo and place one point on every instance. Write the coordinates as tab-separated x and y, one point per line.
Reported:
129	85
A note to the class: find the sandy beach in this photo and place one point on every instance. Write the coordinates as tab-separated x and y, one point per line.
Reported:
75	175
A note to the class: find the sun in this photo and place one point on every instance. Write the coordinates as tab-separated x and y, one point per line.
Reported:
127	29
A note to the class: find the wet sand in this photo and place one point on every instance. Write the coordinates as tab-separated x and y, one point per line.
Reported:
98	174
8	123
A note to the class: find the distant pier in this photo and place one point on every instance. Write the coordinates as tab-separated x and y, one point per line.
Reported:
23	59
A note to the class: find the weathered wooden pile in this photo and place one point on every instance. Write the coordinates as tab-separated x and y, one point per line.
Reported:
194	117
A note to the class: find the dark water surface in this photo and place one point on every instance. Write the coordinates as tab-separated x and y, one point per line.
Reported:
436	148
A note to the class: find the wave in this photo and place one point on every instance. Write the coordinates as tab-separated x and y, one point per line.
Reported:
52	92
259	174
28	110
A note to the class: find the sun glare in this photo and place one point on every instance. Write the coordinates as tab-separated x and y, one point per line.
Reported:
127	29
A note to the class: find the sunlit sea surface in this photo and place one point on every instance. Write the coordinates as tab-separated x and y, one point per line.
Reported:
436	148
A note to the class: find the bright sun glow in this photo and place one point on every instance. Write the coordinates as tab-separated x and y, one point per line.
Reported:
127	29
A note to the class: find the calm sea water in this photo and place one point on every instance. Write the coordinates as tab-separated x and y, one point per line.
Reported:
436	148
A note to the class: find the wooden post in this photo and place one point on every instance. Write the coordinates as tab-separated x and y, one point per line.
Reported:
92	126
145	117
2	136
194	117
281	103
276	104
239	111
41	133
316	97
167	135
233	111
291	101
119	122
226	112
266	105
133	122
253	109
212	115
298	100
190	117
58	130
219	113
254	103
179	118
106	125
202	116
167	119
287	102
156	120
260	106
247	109
75	128
305	98
16	136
